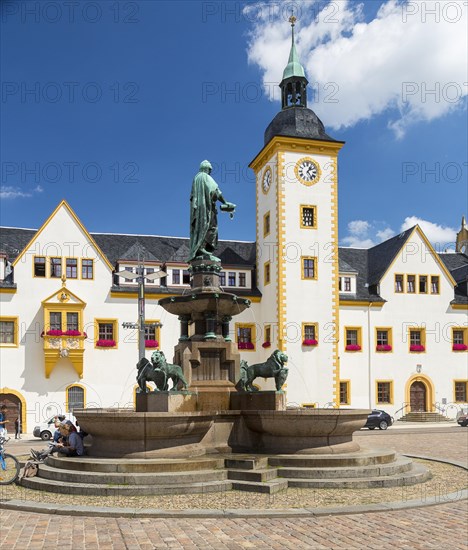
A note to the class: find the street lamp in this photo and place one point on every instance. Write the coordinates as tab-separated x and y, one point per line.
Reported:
139	277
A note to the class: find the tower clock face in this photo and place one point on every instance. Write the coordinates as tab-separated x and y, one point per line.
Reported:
266	181
307	171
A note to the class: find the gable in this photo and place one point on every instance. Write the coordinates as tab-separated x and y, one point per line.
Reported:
63	235
417	256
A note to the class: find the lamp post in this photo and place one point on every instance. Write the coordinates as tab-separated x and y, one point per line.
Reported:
140	277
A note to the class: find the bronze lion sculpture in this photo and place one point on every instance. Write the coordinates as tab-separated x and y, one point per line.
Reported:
272	368
160	372
172	372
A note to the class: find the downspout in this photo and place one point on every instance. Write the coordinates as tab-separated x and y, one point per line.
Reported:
369	355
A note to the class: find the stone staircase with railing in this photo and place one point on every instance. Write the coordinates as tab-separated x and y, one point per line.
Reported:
424	417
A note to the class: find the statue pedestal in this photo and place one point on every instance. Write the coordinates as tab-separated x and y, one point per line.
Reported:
258	401
166	401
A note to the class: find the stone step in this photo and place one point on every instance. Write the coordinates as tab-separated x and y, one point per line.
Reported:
269	487
134	478
246	463
401	465
424	417
70	488
417	474
253	475
362	458
124	465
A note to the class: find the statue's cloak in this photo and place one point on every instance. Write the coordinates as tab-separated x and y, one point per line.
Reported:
203	214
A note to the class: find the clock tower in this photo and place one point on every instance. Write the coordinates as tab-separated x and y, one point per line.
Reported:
297	242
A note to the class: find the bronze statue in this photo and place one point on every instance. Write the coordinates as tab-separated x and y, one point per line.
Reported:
272	368
204	215
160	372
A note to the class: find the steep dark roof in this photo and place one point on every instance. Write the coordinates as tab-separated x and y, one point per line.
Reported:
125	247
382	255
13	240
298	122
457	264
357	259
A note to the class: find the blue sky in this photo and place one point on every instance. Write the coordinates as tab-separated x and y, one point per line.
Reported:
114	108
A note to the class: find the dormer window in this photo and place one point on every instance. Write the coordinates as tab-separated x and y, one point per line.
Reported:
347	284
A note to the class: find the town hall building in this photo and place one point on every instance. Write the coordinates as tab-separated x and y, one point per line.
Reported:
384	327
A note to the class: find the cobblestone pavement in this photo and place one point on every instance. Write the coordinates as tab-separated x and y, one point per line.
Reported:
435	527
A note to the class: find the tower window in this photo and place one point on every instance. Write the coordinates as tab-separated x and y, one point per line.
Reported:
309	268
308	217
266	224
344	393
266	277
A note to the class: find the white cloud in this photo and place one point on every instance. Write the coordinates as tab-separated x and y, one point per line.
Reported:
405	62
365	234
385	234
358	235
10	192
439	235
358	227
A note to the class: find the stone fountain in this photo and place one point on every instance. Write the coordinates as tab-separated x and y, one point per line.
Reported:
208	432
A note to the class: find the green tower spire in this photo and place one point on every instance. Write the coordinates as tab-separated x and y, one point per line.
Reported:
294	67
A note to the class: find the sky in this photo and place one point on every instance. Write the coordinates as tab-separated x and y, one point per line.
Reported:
112	105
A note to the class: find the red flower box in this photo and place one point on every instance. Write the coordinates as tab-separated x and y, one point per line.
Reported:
308	342
245	345
384	347
151	344
105	343
72	333
353	347
54	333
459	347
266	344
417	347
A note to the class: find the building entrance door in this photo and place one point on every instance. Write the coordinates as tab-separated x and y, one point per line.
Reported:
418	397
13	405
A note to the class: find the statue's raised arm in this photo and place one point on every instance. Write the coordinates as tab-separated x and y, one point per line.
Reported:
204	215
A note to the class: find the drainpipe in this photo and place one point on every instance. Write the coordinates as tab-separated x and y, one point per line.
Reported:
369	356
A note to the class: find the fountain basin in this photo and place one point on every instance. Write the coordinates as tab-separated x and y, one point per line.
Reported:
119	433
223	303
306	431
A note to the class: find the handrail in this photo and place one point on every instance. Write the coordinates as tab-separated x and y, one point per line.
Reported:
405	405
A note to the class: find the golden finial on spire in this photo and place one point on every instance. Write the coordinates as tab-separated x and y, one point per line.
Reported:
292	20
64	280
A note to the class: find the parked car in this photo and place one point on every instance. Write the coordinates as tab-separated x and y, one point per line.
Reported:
46	430
463	420
378	419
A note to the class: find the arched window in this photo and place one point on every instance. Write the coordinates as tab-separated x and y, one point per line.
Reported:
75	398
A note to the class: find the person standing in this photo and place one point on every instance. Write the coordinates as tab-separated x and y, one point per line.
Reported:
18	428
3	421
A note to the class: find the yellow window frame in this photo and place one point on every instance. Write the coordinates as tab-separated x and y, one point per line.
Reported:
15	342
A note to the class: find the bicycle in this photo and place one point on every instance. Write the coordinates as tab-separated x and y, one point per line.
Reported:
9	465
